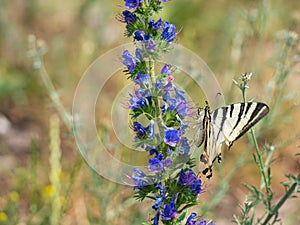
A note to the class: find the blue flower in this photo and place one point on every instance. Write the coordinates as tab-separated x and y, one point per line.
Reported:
158	202
187	179
163	0
174	103
168	32
165	70
156	25
203	222
169	211
143	80
162	189
180	94
158	163
155	165
140	131
182	108
138	178
143	132
183	126
129	17
168	87
139	54
143	93
146	40
160	197
190	179
139	35
132	4
196	187
137	102
171	137
129	61
156	218
159	84
190	220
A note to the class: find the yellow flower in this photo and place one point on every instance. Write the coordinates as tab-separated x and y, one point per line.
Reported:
3	216
62	200
50	190
14	196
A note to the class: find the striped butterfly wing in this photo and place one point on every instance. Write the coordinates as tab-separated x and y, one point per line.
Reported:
236	119
206	135
227	124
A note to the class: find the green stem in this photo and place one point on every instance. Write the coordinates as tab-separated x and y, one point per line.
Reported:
60	108
158	118
274	211
55	98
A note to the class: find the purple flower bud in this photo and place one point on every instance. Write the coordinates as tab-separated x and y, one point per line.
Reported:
129	17
182	108
196	187
158	163
169	211
180	94
159	84
156	25
132	4
138	178
190	220
165	70
190	179
129	61
139	35
150	45
168	32
143	80
137	102
167	163
158	202
139	54
155	165
187	179
156	218
140	131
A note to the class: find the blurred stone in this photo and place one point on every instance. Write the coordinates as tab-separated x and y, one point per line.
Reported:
17	138
4	125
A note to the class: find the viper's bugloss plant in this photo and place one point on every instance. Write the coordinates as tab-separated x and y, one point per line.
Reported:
158	110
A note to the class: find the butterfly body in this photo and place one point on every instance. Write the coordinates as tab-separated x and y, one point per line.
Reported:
225	124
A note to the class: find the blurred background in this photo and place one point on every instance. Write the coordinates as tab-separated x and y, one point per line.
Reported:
43	179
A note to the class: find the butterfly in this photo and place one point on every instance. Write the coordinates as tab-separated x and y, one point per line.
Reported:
225	124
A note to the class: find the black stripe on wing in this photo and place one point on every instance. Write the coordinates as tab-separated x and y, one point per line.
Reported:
257	114
240	116
224	113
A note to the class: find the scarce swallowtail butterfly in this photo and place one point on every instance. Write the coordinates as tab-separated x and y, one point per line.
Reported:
227	124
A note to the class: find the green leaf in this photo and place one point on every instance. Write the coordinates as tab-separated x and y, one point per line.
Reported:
182	216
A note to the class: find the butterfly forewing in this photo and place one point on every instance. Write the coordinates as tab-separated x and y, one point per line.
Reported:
236	119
